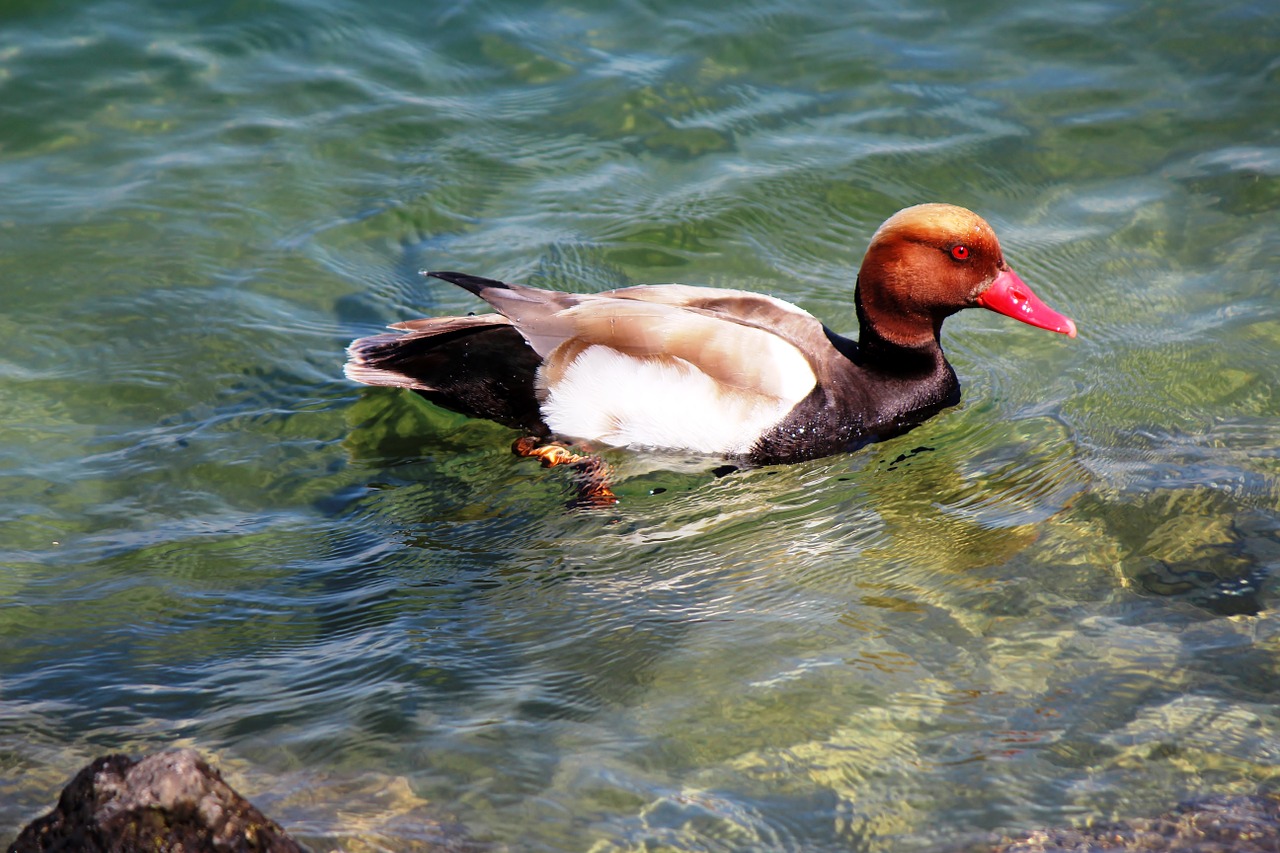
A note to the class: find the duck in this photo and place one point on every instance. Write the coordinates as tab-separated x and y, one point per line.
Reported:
712	371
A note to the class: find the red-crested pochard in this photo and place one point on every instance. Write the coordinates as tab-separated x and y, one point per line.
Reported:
722	372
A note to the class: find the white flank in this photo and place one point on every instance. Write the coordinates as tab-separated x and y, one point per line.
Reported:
606	396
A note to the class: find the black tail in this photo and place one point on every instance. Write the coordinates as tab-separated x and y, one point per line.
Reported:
483	370
473	283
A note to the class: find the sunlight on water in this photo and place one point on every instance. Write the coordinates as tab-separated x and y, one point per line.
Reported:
1048	605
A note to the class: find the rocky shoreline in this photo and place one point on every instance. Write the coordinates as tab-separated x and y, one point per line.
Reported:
175	802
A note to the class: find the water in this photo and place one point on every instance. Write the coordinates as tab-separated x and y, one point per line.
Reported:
1053	603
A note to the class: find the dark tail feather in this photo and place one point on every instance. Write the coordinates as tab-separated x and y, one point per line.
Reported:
372	360
473	283
471	365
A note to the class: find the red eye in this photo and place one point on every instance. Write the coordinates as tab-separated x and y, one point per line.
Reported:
960	252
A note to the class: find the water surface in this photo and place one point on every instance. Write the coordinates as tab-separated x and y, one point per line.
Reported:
1051	604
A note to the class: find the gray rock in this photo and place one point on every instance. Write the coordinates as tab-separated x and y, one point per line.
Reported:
169	802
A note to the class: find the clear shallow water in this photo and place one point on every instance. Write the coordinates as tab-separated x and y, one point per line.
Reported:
373	617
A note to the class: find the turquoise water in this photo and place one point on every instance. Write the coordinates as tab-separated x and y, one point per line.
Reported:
1053	603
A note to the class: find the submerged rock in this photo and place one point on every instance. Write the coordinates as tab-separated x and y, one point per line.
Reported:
1244	824
169	802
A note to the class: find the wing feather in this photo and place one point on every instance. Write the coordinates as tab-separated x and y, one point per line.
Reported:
744	358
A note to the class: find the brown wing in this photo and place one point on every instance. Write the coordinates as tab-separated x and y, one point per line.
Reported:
769	313
537	313
744	341
741	357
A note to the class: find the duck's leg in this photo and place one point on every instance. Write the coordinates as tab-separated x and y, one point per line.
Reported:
591	472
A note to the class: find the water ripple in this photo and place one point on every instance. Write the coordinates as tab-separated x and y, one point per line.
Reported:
1002	618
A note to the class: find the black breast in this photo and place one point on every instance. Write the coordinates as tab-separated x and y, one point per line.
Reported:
861	396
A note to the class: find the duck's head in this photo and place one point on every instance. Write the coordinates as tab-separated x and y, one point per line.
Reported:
932	260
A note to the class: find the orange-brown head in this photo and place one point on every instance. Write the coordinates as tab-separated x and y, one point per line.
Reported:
931	260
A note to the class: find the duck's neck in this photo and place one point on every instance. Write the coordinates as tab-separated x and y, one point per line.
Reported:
905	384
897	344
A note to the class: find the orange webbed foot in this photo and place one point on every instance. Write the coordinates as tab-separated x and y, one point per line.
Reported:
592	472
